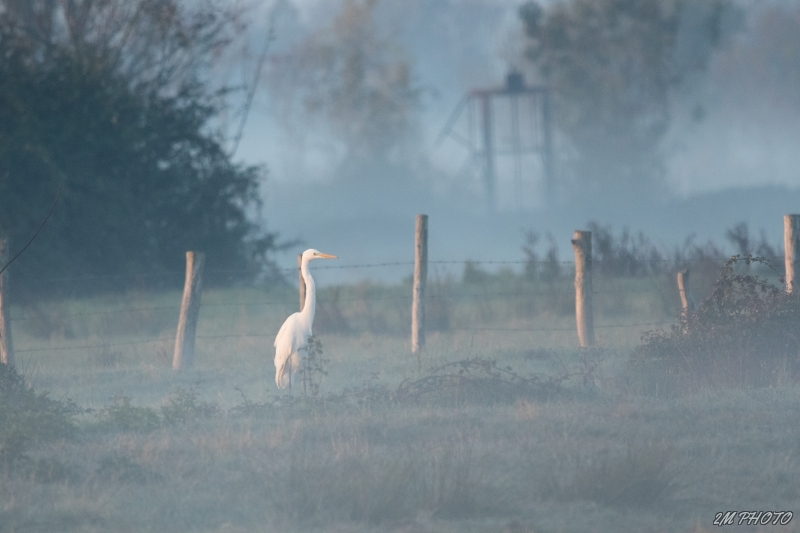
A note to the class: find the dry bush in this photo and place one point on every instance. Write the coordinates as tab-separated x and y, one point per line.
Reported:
315	367
744	332
476	380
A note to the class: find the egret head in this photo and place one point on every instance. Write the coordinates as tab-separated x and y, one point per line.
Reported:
310	254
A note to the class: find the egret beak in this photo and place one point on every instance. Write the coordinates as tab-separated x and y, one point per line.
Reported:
327	256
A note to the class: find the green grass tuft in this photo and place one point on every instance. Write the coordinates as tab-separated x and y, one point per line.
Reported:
28	419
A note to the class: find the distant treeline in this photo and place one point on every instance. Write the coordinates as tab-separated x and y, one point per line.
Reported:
633	255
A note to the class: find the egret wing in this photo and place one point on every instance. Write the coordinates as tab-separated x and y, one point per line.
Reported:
292	337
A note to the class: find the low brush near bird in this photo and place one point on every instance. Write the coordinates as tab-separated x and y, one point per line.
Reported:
291	343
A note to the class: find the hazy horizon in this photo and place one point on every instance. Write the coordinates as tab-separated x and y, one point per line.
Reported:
734	129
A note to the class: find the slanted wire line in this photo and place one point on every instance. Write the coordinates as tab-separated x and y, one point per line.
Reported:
36	233
251	91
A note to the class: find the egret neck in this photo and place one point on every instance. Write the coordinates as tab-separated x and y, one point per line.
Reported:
310	303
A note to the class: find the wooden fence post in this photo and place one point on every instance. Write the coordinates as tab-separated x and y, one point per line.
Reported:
302	281
791	250
190	310
6	344
582	245
420	278
687	302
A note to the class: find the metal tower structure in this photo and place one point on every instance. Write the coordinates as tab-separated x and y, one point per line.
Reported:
528	129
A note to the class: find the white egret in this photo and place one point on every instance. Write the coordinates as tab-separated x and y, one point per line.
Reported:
292	339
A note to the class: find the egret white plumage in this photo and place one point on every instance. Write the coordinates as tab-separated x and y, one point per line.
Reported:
291	343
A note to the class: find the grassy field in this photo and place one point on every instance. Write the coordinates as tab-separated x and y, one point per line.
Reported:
547	438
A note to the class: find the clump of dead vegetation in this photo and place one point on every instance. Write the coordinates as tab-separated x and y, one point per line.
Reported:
476	380
744	332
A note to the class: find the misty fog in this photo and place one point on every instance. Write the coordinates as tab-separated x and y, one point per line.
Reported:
730	154
648	385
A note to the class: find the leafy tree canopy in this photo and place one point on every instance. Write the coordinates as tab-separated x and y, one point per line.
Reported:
106	101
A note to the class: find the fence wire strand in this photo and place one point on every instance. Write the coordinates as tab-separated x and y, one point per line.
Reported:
437	292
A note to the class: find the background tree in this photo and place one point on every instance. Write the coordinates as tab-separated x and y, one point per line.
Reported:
353	86
752	125
108	101
614	66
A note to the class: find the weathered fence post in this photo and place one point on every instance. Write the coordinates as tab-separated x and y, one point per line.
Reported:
6	345
190	310
420	277
687	302
791	249
582	245
302	281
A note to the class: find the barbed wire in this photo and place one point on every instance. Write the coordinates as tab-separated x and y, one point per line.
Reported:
572	329
114	276
431	296
272	335
437	291
598	262
92	346
61	316
164	274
